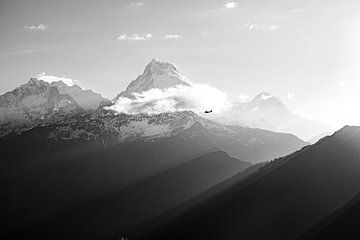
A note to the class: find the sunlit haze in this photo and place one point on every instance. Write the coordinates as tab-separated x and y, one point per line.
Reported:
305	52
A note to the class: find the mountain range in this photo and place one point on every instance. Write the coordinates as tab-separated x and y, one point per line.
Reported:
70	160
267	111
38	99
74	168
70	154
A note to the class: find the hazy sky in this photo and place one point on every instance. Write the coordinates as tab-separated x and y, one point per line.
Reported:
306	52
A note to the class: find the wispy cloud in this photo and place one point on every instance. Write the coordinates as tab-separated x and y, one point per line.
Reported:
134	37
40	27
230	5
173	36
265	27
137	4
50	79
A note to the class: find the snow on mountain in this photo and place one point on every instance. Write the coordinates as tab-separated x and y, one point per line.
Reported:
157	74
50	79
104	125
32	101
267	111
87	99
107	128
162	88
39	99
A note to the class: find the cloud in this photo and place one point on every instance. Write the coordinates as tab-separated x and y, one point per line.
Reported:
197	98
341	83
290	95
134	37
137	4
40	27
230	5
265	27
173	36
50	79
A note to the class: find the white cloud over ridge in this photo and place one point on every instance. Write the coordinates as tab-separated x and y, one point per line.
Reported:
40	27
197	98
50	79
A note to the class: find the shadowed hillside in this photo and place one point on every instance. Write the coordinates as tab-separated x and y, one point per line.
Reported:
343	224
107	216
282	200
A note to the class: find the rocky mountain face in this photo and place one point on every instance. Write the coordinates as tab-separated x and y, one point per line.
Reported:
87	99
157	74
37	100
108	128
269	112
33	101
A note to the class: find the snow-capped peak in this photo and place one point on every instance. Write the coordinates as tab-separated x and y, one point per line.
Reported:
157	74
50	79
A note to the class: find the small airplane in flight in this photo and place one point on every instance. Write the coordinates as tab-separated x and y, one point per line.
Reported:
208	111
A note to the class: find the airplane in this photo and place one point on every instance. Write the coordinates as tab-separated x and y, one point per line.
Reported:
208	111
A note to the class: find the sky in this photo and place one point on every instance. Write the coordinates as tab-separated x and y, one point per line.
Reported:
305	52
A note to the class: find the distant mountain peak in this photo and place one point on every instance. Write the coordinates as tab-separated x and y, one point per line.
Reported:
87	99
30	102
38	99
266	100
267	111
157	74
